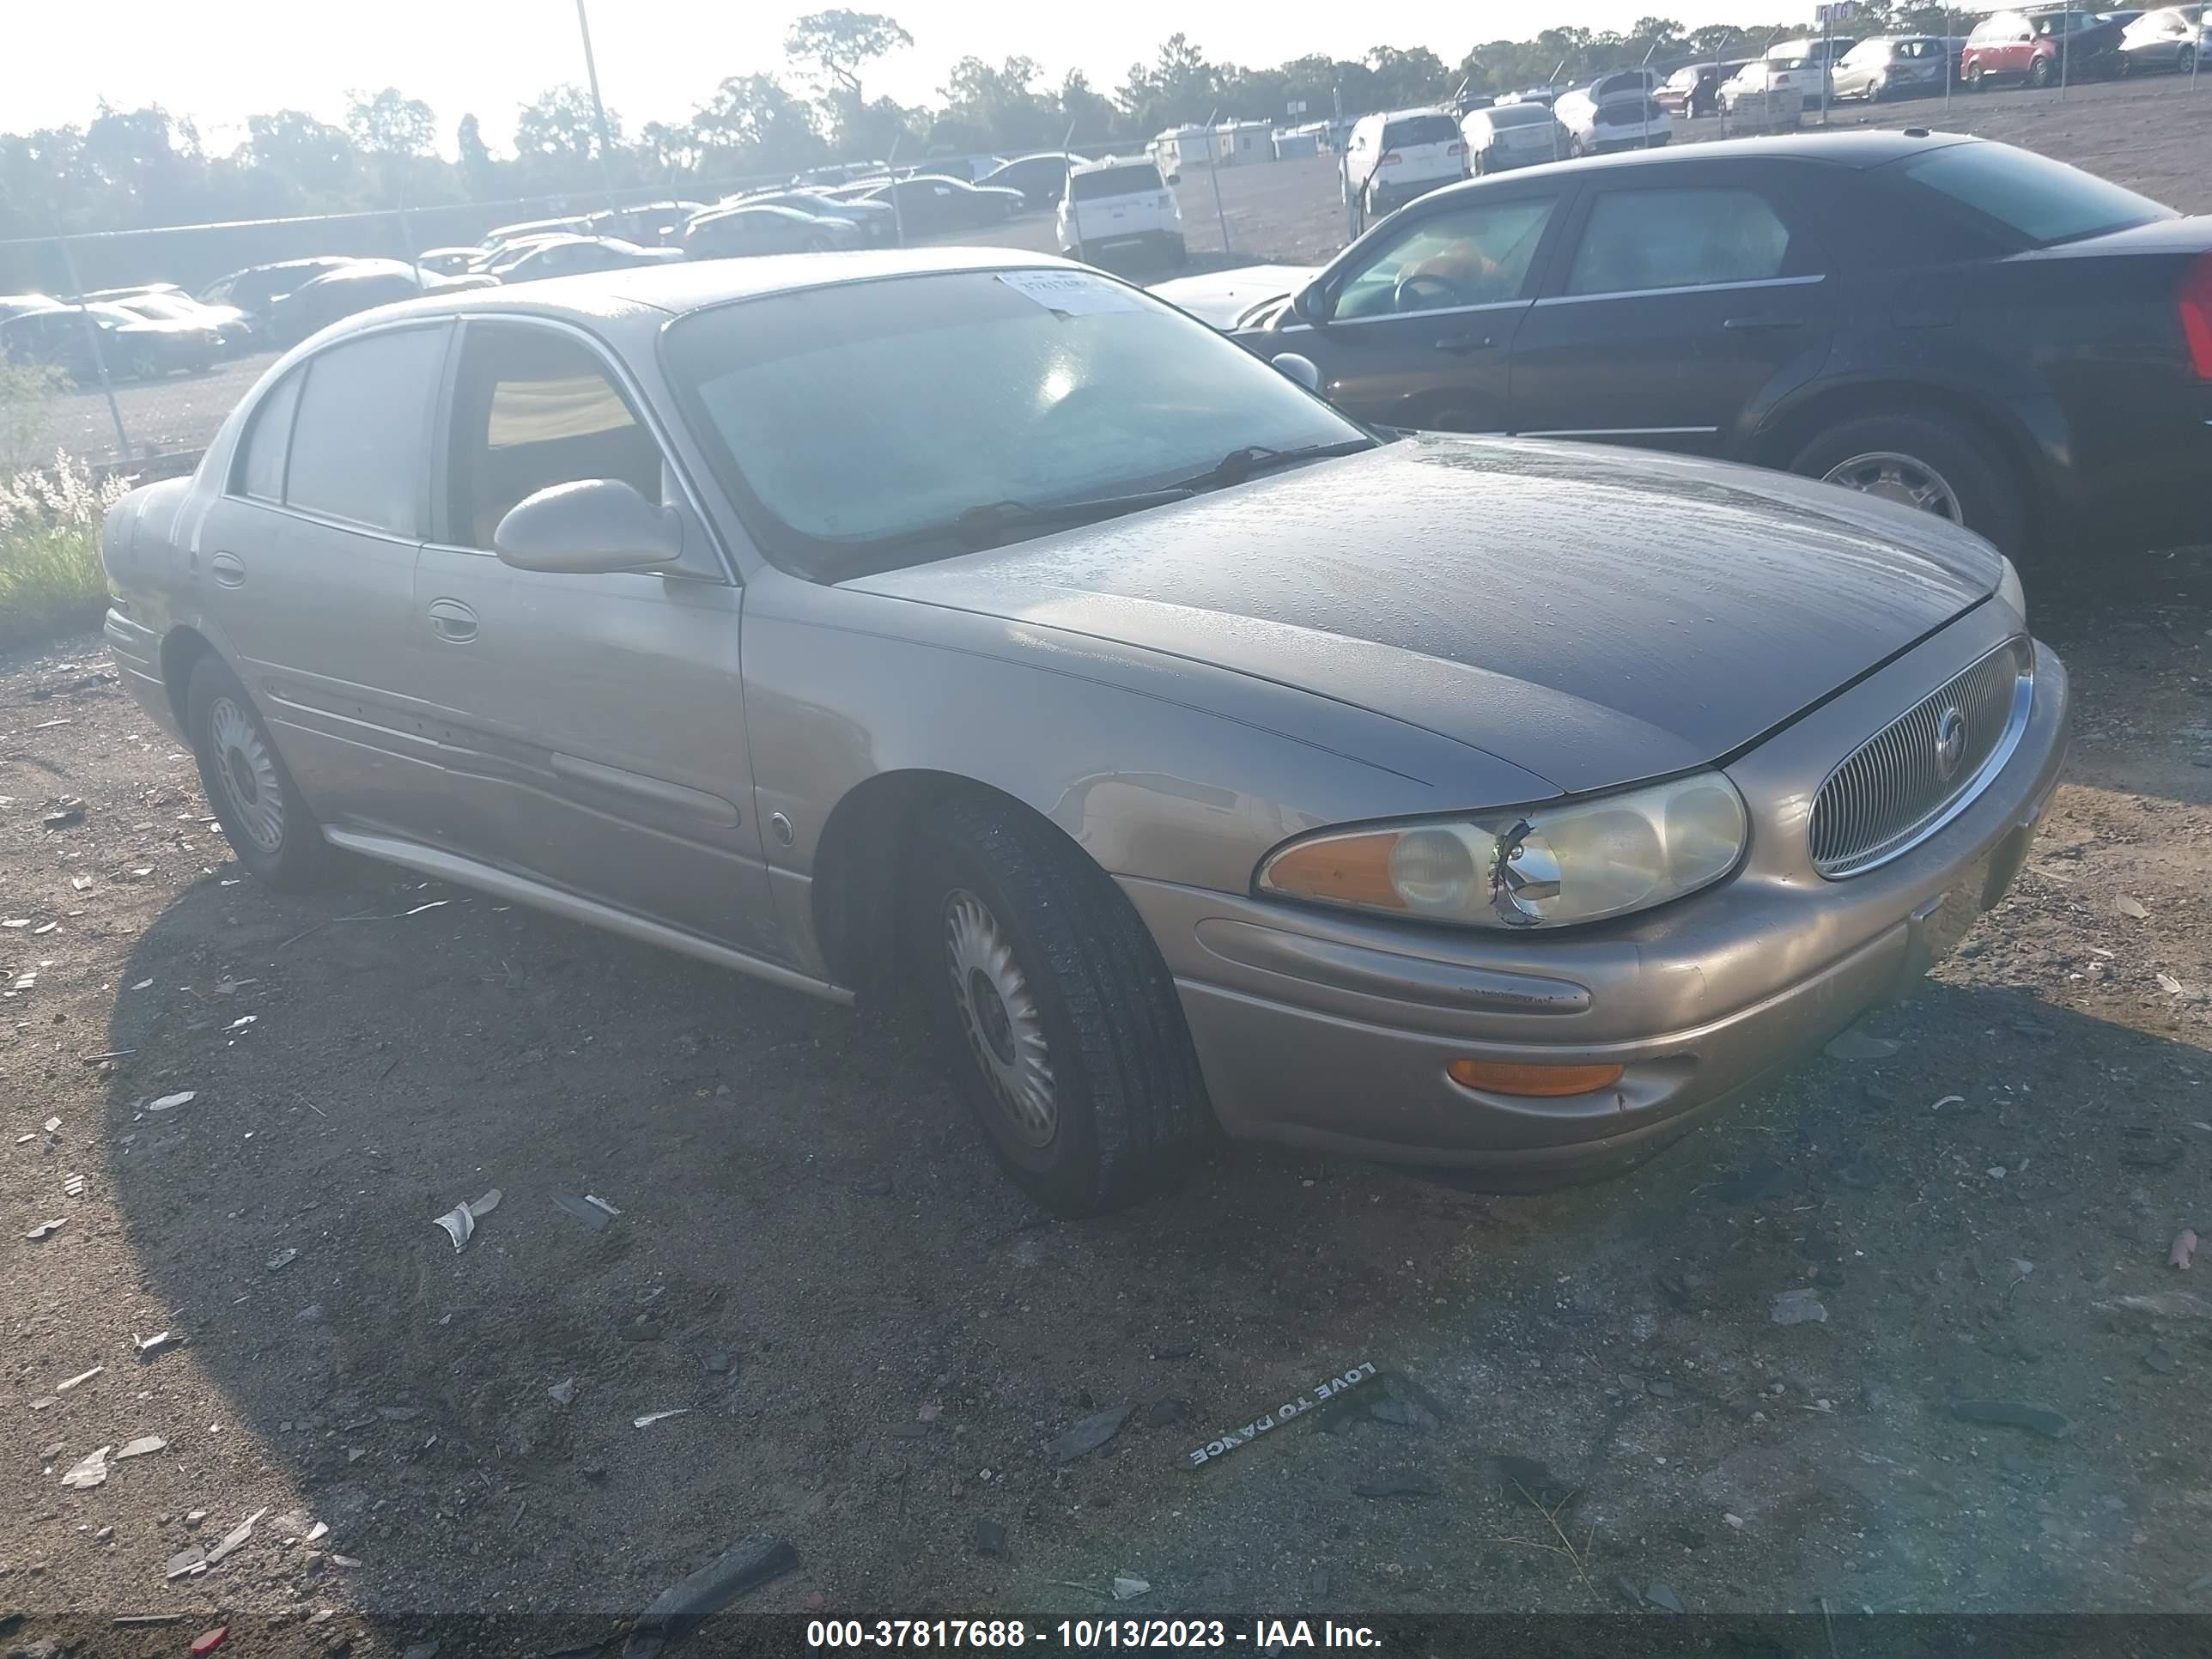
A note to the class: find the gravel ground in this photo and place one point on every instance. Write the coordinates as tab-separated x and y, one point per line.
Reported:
2150	133
874	1344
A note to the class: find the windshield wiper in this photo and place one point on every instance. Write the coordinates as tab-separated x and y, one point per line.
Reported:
1253	460
985	520
990	523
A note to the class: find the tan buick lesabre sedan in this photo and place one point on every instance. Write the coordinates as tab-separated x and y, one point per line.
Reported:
976	624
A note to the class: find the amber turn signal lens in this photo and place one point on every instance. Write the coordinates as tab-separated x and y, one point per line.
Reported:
1500	1076
1347	869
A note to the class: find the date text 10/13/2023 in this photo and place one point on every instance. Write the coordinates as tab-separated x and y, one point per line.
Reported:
1232	1438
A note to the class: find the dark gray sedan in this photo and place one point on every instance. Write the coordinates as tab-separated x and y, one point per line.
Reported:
731	233
979	627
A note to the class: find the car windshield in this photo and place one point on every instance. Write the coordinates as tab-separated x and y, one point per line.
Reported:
2045	202
1113	181
858	424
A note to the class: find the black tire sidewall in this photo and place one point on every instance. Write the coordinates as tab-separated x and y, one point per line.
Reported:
302	859
1064	1175
1989	497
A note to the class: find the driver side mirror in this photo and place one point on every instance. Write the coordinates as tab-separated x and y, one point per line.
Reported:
592	526
1303	370
1310	304
1175	178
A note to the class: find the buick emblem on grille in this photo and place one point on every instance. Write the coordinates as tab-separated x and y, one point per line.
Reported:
1950	743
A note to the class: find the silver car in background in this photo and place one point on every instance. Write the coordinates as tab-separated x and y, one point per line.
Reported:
976	627
1508	136
1892	66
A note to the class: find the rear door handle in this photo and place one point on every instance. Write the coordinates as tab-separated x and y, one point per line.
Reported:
451	621
1459	345
229	571
1761	324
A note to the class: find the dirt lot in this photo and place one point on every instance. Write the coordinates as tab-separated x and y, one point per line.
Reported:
875	1343
2151	134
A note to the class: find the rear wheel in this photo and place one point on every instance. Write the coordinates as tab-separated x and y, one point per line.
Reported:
1977	79
1926	462
817	244
1057	1014
261	810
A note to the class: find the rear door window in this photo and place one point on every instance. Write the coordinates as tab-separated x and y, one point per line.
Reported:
358	437
260	470
1639	240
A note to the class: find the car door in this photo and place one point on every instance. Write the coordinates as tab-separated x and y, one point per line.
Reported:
1421	315
592	725
1683	302
304	569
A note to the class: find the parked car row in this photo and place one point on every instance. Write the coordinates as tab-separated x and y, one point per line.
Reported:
1850	306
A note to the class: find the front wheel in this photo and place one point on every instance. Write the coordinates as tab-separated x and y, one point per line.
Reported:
817	245
1977	79
1057	1017
2185	60
1925	462
261	810
2039	73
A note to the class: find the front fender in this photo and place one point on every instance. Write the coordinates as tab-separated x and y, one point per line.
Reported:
1160	768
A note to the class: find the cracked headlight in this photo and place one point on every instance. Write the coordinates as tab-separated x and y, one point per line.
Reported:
1544	866
2010	591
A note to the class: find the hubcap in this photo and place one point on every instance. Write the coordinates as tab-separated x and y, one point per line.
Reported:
998	1015
248	772
1899	478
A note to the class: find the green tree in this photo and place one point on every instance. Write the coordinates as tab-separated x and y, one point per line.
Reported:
754	124
1002	104
479	170
317	158
387	123
1085	112
1176	88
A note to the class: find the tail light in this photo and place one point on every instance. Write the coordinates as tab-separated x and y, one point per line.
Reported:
1390	160
2197	314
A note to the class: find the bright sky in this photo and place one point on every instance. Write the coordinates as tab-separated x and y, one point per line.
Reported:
660	58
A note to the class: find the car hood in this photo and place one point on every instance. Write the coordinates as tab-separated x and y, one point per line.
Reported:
1221	297
1593	616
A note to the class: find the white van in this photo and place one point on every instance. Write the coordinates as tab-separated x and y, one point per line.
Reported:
1120	205
1395	156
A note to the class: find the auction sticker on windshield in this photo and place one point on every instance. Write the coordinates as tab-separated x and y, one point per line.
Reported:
1071	293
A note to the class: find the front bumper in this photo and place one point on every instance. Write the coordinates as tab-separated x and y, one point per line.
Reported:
1331	1032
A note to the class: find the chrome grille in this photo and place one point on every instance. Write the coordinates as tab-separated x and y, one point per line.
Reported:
1893	788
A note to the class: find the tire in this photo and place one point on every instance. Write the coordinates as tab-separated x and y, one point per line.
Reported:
1371	203
1977	79
1178	253
816	245
1085	995
270	829
2185	60
1988	496
2039	73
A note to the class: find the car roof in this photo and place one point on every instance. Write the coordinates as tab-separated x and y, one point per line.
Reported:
1857	150
681	286
1102	162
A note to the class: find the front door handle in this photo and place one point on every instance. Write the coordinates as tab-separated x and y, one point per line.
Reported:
451	621
1459	345
229	571
1761	324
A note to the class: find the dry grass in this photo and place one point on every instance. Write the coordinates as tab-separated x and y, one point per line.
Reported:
51	580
